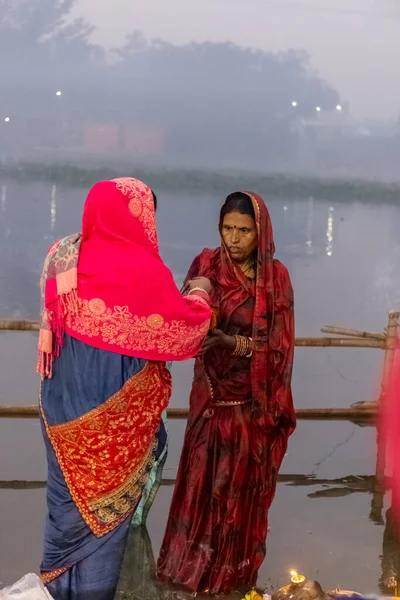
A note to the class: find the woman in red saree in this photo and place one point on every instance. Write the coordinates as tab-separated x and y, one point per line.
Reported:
241	410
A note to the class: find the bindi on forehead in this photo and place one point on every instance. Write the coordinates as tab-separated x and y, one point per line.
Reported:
238	221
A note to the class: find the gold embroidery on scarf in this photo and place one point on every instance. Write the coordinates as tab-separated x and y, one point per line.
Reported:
97	306
256	210
118	327
48	576
141	204
106	455
121	499
155	321
136	207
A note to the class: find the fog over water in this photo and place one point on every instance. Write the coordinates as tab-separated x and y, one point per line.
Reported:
297	100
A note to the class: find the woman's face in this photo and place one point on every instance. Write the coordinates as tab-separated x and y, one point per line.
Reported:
239	233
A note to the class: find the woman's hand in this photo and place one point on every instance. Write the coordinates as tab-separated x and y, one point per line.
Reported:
200	282
218	339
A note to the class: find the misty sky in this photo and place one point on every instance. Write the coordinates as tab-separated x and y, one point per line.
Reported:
354	44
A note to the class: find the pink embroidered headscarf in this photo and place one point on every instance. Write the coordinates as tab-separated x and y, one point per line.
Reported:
109	288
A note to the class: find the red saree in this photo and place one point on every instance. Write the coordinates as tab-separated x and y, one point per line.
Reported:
241	415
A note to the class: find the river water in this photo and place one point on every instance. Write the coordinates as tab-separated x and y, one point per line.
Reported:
344	260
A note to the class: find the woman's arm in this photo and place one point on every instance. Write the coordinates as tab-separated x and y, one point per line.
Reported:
237	345
193	272
196	304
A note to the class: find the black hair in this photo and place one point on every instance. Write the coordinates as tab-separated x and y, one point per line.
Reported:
238	202
154	200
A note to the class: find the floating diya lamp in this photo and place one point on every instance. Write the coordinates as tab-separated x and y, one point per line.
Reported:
297	579
298	584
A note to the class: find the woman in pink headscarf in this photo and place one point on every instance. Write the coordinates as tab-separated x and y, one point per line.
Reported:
112	316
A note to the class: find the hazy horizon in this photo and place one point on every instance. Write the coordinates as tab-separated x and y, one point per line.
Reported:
353	45
291	92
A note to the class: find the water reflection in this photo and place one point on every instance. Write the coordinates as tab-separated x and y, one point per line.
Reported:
3	198
329	232
138	573
137	579
53	207
309	227
390	558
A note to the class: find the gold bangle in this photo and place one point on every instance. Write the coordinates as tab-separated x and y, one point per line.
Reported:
242	347
234	351
250	348
198	289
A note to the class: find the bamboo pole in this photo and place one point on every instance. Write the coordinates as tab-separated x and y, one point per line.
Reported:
354	339
10	325
360	482
366	341
330	342
352	333
22	485
312	414
19	412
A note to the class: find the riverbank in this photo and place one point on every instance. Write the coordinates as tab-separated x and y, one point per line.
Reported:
284	186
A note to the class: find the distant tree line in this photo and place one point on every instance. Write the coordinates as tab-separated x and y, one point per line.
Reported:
213	100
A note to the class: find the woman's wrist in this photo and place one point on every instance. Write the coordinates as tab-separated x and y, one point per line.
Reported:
197	290
250	353
199	293
243	346
231	343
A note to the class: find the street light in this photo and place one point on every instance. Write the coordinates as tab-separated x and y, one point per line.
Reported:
338	107
58	93
318	108
7	120
294	103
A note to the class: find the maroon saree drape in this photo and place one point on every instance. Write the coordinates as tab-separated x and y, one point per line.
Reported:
241	415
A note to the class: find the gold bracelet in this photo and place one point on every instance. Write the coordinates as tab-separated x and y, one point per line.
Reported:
242	347
239	343
234	351
198	289
250	348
